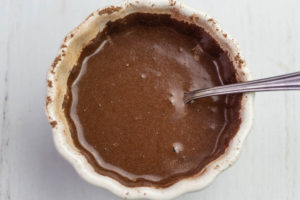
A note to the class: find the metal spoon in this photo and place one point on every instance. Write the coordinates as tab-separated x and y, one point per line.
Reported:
283	82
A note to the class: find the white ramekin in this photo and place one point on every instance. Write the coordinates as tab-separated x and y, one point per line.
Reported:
67	58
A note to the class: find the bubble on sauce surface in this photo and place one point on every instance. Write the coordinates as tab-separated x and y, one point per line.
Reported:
177	147
172	100
214	109
176	99
215	98
212	126
143	76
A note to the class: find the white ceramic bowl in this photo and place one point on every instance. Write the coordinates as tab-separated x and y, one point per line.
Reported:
70	50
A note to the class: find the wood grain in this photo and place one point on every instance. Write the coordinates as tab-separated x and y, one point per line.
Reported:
30	34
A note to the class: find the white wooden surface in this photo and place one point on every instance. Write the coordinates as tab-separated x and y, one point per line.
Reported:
31	169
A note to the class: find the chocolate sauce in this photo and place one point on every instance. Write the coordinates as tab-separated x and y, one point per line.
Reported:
125	101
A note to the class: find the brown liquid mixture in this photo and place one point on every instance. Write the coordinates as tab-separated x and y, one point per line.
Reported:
125	102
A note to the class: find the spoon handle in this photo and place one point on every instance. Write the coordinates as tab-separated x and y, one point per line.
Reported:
283	82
